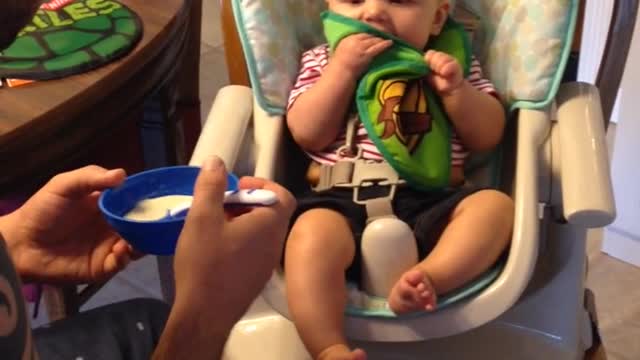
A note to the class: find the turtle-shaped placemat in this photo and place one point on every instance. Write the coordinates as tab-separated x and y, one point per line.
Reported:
67	37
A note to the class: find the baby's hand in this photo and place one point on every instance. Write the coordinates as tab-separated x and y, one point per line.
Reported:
355	52
446	72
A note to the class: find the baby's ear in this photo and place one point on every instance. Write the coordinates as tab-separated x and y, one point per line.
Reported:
440	17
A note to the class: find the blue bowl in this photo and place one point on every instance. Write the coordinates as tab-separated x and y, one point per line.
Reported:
151	237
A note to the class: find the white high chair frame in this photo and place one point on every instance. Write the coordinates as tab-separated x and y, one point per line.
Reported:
534	309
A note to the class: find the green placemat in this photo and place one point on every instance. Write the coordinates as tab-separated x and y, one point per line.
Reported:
68	37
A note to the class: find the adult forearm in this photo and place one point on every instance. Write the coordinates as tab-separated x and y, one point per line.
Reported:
193	332
478	117
318	115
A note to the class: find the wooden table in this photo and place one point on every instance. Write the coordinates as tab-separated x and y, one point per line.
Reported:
50	126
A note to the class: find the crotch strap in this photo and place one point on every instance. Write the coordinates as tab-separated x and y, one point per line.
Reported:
352	171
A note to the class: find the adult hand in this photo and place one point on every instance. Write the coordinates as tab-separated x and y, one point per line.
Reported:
227	260
59	234
221	264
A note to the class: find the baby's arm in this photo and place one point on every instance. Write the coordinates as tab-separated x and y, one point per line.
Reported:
477	116
317	116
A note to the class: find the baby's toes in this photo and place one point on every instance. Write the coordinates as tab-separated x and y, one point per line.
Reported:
427	294
404	298
414	277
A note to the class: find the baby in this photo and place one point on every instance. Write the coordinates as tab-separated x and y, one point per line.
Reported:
460	231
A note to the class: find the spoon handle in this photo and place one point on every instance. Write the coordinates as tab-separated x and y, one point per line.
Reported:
243	197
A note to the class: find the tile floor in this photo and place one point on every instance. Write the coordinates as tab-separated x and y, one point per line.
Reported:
616	284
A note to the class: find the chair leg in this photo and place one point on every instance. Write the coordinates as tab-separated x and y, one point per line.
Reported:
60	301
188	84
165	272
158	130
190	127
170	127
597	350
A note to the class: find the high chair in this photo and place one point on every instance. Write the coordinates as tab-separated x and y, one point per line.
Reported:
553	162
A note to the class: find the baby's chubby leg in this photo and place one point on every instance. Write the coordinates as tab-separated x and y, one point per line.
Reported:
479	230
319	249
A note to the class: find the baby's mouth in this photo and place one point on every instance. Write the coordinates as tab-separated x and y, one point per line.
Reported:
385	29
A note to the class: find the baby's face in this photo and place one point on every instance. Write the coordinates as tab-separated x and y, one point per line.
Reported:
410	20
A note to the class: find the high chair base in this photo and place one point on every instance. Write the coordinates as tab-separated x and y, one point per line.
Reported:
549	322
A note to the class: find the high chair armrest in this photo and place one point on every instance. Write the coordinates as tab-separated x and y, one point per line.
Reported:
223	132
268	137
533	130
585	179
502	294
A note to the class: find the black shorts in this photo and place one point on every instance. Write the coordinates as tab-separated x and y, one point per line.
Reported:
427	213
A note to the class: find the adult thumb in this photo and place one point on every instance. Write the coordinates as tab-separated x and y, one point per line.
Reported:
209	189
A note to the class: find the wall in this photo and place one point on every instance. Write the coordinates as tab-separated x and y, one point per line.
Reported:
594	36
622	238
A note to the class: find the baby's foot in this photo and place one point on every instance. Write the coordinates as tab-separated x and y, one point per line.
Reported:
341	352
413	292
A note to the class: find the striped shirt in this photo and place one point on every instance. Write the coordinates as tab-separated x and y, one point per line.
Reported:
54	5
313	63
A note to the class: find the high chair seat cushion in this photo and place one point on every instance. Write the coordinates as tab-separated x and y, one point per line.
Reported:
273	35
361	304
523	45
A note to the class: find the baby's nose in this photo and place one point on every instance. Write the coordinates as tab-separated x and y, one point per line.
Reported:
373	11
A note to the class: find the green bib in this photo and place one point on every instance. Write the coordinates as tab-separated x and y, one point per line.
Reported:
402	114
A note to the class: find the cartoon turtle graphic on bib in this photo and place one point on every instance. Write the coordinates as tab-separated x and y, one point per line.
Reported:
404	111
68	37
